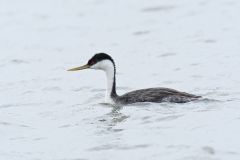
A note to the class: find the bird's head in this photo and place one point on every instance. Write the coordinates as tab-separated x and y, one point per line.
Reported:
100	61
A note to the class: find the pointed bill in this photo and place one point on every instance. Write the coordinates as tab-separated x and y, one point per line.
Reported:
80	68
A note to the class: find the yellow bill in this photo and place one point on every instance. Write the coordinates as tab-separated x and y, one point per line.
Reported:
79	68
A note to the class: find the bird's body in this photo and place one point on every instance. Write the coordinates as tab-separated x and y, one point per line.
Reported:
156	95
104	62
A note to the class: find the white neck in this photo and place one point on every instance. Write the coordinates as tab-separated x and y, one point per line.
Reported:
108	67
110	79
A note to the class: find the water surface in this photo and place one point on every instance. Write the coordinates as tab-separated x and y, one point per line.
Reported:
47	113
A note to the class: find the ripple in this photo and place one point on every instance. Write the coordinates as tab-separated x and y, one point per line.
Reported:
81	89
208	150
5	123
197	76
16	125
207	100
178	146
118	147
169	118
116	117
19	105
209	41
170	82
140	33
65	126
93	99
52	89
39	138
72	159
117	130
166	55
97	90
159	8
18	138
28	92
194	64
18	61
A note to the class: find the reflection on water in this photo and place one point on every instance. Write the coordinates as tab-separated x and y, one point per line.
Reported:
114	117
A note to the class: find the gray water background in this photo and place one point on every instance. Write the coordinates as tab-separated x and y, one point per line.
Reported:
47	113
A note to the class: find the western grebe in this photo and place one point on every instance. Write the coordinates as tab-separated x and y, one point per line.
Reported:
102	61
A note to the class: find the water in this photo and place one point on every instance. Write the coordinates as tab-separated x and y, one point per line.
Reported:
47	113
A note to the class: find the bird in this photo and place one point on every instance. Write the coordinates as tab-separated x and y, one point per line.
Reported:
104	62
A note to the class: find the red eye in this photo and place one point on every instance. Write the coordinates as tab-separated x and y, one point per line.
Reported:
92	62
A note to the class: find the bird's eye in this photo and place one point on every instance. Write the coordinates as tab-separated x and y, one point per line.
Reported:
92	62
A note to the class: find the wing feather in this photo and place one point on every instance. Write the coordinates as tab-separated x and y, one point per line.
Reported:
157	95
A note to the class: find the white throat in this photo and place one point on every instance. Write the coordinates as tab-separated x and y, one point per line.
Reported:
108	67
